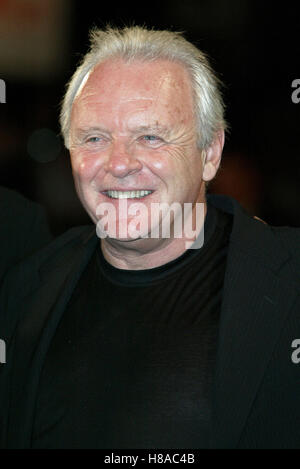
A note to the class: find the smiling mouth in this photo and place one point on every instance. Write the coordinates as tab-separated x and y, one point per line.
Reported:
127	194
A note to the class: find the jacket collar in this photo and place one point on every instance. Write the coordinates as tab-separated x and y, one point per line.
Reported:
257	298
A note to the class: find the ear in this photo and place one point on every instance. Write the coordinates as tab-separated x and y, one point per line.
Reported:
212	157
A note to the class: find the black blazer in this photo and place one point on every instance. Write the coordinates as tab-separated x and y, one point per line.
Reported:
256	392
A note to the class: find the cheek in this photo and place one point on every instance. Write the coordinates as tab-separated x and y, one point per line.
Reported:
84	166
158	164
171	163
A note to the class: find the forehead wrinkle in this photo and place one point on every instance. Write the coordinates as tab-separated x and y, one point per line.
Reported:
161	98
136	98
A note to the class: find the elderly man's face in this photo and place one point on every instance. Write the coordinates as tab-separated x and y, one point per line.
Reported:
133	129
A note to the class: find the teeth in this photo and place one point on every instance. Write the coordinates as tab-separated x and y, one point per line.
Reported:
127	194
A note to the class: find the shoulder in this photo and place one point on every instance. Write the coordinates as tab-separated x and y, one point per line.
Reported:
24	228
289	239
287	236
273	245
57	253
11	200
62	247
42	274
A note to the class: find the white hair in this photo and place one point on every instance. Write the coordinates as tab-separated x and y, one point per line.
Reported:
138	43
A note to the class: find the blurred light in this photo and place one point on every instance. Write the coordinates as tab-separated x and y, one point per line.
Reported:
43	145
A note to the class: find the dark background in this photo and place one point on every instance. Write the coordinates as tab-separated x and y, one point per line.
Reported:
254	48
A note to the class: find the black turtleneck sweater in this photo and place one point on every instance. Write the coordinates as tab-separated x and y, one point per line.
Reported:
131	364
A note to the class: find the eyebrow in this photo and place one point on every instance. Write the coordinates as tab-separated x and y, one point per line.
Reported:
82	131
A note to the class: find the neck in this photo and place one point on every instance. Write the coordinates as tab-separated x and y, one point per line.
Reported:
148	253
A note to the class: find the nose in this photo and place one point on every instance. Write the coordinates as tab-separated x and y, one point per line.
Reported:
121	161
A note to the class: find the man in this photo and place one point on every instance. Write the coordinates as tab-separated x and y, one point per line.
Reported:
135	340
24	228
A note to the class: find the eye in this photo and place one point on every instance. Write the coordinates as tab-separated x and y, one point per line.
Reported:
151	140
93	139
97	141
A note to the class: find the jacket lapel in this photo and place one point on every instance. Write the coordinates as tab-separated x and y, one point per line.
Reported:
254	309
41	316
